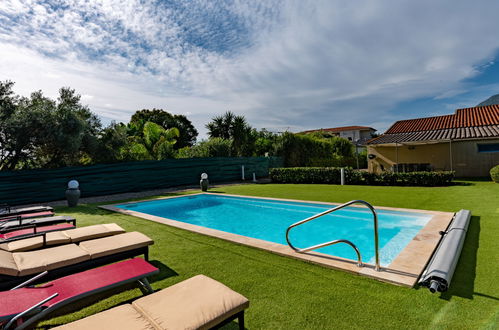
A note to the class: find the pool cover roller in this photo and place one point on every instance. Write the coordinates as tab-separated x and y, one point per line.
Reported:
438	273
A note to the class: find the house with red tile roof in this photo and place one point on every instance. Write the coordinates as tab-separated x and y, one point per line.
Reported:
466	142
356	134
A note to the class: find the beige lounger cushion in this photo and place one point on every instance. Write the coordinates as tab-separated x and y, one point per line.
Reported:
64	237
123	317
23	245
7	264
52	238
38	261
33	262
197	303
92	232
114	244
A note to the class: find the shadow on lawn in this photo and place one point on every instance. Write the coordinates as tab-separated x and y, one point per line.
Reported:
231	326
463	281
462	183
164	271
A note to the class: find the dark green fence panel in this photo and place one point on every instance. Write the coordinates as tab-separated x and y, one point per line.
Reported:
43	185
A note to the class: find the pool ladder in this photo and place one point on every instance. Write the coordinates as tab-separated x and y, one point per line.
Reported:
318	246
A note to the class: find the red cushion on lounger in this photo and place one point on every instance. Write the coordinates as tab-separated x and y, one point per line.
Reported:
16	301
93	279
27	215
38	230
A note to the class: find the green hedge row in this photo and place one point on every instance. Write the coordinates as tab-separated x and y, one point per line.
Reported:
331	175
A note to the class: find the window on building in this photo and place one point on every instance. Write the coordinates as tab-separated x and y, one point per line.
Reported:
488	147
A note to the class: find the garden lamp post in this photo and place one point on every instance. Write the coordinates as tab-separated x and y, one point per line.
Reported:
73	193
204	182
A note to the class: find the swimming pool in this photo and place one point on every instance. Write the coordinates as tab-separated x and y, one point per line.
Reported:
268	219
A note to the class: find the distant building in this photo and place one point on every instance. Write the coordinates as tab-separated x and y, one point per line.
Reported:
356	134
466	142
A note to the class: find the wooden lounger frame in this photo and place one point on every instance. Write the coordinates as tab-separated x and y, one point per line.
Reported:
240	321
21	225
31	235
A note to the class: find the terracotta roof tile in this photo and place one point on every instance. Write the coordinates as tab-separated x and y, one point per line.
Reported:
491	131
468	117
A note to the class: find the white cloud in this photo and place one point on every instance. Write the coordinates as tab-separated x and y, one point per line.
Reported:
300	64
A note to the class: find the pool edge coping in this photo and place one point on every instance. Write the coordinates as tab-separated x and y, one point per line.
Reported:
404	270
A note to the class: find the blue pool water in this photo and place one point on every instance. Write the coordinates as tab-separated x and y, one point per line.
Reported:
268	219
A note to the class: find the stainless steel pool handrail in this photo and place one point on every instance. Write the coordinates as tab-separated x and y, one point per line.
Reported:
359	258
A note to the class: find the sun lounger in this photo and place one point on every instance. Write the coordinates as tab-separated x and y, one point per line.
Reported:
31	230
53	238
16	267
197	303
10	217
7	210
20	223
15	307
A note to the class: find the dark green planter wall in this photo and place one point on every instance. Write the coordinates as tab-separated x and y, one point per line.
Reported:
33	186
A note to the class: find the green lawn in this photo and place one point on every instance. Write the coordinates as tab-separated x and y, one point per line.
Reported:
289	294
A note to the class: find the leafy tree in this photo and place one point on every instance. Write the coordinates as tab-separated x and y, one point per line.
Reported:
19	128
71	132
8	100
265	143
187	131
231	127
36	131
111	140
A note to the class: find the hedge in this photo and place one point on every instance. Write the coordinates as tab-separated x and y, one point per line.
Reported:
494	173
332	175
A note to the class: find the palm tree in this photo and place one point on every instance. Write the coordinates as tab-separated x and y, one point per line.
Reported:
220	126
155	142
235	128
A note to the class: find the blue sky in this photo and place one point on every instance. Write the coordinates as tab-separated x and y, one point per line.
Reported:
290	64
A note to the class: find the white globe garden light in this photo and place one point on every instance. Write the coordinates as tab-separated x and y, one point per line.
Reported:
73	184
204	176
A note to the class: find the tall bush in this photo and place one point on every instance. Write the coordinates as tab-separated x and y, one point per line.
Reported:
214	147
300	150
494	173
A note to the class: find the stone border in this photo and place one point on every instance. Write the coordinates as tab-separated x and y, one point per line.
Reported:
405	270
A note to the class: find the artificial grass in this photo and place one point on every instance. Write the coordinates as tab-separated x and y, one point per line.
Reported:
290	294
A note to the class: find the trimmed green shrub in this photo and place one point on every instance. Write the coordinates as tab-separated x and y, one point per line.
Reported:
305	175
331	175
494	173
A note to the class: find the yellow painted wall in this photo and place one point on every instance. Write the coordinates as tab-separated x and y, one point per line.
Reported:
466	160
